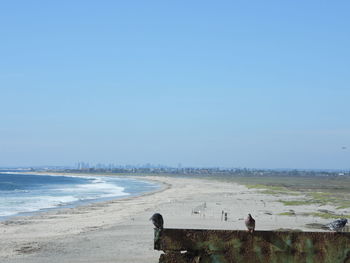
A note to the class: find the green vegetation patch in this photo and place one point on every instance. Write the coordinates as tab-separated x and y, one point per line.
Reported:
320	198
343	205
270	187
323	198
320	190
319	195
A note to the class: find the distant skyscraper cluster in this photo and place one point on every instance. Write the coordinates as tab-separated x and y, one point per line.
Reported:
83	165
86	165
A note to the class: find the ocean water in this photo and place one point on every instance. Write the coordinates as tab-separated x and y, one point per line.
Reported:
27	193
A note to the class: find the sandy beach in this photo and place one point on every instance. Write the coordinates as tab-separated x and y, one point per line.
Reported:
120	230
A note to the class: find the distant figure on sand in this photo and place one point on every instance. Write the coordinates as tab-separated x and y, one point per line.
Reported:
157	220
250	223
337	225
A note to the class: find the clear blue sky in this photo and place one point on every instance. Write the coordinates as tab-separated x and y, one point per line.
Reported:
258	84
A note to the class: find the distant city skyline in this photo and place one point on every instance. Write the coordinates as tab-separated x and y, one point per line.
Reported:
85	166
258	84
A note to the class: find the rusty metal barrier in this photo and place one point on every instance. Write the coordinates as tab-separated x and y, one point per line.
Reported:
225	246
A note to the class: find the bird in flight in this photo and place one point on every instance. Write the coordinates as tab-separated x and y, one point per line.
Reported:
250	223
157	220
337	225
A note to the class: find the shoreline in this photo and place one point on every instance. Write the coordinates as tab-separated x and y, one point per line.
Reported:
87	202
120	231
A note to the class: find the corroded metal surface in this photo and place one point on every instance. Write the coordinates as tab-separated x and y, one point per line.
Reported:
224	246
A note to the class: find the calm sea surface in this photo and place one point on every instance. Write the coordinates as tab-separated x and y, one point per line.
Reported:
27	193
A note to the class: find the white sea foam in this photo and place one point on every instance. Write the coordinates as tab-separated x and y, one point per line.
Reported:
16	202
15	205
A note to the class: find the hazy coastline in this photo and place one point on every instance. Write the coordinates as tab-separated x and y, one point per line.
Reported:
120	230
